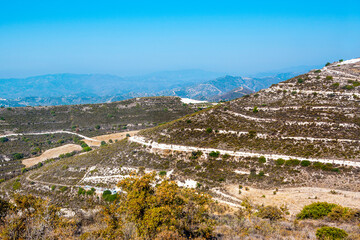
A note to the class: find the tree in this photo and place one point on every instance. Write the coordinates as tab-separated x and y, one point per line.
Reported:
165	207
255	110
34	218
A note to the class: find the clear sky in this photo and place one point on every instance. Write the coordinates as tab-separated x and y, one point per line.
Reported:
135	37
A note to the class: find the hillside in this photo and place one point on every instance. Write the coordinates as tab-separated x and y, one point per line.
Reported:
311	115
89	120
264	158
304	129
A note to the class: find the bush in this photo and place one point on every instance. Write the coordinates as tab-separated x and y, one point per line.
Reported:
327	64
81	191
87	149
214	154
209	130
84	145
97	127
280	162
4	139
300	80
103	143
329	78
63	188
270	212
162	173
356	83
348	87
317	71
305	163
262	159
196	155
252	134
340	213
335	85
261	173
292	162
316	210
329	233
16	185
18	156
255	110
107	196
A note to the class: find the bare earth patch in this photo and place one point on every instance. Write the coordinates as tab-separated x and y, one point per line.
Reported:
296	198
51	153
106	138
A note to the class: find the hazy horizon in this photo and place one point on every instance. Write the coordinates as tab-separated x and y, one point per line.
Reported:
136	38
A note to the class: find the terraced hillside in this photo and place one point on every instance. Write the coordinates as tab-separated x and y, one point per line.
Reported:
315	115
272	139
89	120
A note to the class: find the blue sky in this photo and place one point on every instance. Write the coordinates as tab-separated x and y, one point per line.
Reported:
136	37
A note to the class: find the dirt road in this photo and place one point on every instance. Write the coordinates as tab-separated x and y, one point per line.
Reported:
93	142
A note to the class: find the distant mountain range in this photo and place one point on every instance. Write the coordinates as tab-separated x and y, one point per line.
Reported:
63	89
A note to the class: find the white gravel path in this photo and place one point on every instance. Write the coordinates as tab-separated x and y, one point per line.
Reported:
162	146
53	132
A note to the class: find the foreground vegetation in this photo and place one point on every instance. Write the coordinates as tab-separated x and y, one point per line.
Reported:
151	207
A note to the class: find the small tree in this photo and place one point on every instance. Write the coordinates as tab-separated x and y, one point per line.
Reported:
255	110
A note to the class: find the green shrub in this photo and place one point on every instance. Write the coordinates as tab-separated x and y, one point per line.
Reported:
305	163
252	134
87	149
330	233
196	154
16	185
214	154
335	85
317	71
97	127
356	83
292	162
300	80
255	110
327	64
329	78
90	192
84	145
53	187
4	139
348	87
81	191
63	188
225	156
261	174
209	130
280	162
162	173
18	156
316	210
262	159
107	196
103	143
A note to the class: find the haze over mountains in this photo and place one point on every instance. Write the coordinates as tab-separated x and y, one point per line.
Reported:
64	89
